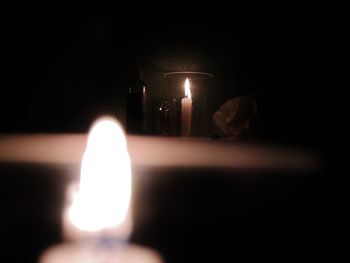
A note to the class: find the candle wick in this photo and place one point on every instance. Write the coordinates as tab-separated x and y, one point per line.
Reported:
111	243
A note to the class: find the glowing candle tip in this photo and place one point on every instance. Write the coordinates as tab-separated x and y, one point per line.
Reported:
187	89
102	200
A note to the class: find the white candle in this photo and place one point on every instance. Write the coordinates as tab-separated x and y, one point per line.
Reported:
97	218
186	111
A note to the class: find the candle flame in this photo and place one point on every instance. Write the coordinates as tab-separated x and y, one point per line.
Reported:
187	89
103	198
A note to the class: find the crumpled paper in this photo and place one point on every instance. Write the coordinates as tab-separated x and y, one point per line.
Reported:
234	116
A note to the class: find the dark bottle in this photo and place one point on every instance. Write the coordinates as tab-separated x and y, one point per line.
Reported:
136	105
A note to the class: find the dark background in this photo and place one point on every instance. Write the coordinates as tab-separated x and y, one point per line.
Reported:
66	65
187	215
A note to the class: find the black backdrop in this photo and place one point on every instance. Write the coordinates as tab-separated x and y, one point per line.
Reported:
65	65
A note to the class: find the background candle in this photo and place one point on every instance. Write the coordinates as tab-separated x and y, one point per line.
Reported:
186	111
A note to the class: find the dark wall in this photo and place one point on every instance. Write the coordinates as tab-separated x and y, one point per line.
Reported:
66	65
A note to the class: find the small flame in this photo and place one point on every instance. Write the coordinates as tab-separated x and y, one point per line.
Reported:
187	89
103	198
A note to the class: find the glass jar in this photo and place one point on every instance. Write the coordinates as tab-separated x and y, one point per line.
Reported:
199	84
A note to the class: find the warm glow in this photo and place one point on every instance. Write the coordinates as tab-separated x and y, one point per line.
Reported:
187	89
67	149
102	200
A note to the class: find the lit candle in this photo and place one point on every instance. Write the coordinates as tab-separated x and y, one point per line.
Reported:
186	111
97	217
